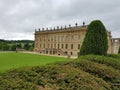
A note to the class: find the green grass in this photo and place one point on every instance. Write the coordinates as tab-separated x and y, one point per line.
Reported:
14	60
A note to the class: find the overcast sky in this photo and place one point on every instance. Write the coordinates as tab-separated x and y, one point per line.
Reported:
19	18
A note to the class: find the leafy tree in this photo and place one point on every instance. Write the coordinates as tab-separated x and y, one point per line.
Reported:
19	45
26	46
95	41
1	46
13	47
6	47
33	45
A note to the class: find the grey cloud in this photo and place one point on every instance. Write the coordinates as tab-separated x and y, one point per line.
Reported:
21	17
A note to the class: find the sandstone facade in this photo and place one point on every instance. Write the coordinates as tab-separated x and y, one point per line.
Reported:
63	41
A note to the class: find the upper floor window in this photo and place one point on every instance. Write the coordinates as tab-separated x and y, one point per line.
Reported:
71	46
62	46
44	45
40	45
78	46
54	38
54	45
51	46
66	38
78	37
58	38
58	46
62	38
48	38
48	45
72	37
51	38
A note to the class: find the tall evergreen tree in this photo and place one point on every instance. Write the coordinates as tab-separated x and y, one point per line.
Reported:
95	41
119	50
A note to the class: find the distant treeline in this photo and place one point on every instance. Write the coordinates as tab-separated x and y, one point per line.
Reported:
13	45
16	41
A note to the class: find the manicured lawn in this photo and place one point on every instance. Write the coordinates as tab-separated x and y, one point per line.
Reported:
14	60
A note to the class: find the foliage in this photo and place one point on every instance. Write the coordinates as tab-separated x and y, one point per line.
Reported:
116	56
111	60
119	51
11	45
4	46
19	45
26	46
56	77
95	41
16	41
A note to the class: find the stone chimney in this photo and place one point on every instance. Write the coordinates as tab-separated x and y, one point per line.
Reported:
83	23
76	24
57	27
42	29
69	25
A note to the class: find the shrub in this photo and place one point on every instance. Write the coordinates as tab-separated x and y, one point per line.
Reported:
108	74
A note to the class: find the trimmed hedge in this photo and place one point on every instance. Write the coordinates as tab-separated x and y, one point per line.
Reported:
110	60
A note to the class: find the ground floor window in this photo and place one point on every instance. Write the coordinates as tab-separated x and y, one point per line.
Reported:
78	46
65	52
48	45
58	46
66	46
46	52
54	45
62	46
44	45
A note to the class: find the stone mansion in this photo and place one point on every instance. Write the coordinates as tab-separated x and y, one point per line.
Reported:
64	40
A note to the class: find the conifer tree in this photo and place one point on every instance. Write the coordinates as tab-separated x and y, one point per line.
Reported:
119	50
95	41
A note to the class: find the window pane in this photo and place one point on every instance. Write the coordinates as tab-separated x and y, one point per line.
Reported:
78	46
